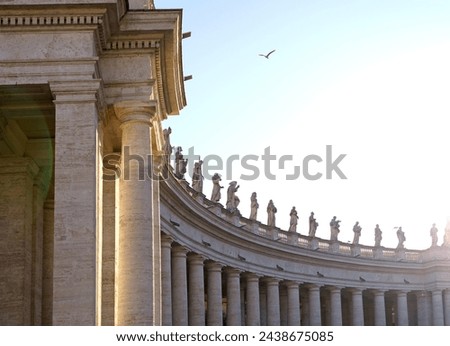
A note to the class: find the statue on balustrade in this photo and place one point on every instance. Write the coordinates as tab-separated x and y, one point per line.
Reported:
271	211
378	236
232	200
167	146
197	177
312	225
356	233
253	207
334	229
447	235
401	238
215	195
434	235
293	221
180	164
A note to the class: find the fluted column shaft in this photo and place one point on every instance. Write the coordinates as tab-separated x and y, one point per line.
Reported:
438	308
233	297
196	291
402	309
179	287
336	306
253	312
315	318
273	302
379	308
293	306
357	307
166	279
214	309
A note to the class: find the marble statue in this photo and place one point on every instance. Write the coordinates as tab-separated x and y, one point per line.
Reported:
180	164
167	146
197	177
447	235
312	225
356	233
253	207
215	195
232	200
401	238
334	228
433	234
378	235
293	221
271	211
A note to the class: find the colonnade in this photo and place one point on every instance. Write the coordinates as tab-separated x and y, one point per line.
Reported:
198	291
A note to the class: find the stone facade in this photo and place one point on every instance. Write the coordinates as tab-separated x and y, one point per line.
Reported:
90	237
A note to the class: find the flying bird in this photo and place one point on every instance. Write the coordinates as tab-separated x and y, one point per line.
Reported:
267	55
362	279
320	275
280	267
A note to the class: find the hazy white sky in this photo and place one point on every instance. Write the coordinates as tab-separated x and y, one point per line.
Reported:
369	78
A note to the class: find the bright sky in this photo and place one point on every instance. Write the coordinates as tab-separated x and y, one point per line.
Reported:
369	78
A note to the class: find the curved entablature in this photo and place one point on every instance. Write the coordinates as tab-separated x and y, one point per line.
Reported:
206	228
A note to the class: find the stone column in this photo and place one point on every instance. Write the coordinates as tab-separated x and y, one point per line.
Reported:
179	287
447	307
293	306
214	309
16	226
156	246
283	306
253	312
402	309
166	279
438	308
196	290
423	308
47	260
136	303
336	306
273	302
110	187
315	318
357	307
263	305
39	193
379	308
77	204
243	303
233	297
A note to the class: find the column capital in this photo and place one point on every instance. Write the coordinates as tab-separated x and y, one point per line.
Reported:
17	165
292	284
179	251
166	240
271	280
312	286
194	258
135	111
75	91
251	276
212	266
230	271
